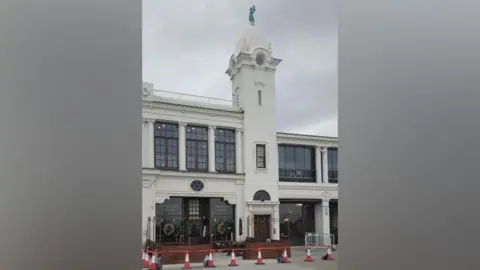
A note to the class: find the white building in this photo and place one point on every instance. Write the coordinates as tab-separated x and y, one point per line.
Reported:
210	162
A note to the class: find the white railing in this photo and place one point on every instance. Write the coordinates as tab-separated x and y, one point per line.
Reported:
192	98
316	240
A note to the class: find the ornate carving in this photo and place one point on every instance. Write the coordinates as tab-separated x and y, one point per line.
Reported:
146	92
262	84
182	124
148	120
147	183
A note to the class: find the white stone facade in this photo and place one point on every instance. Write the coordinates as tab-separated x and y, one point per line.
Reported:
252	114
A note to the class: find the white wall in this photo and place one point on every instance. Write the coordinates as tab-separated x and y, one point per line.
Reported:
258	123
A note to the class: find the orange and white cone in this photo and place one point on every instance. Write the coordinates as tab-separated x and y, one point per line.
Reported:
153	262
210	263
285	256
259	258
233	260
328	256
143	257
146	261
309	256
187	265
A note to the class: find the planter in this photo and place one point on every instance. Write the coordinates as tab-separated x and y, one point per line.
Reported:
269	250
175	253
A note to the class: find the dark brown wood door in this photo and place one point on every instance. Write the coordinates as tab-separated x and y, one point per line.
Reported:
261	227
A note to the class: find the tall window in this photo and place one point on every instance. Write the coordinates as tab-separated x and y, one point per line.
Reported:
332	165
166	146
261	156
225	150
296	163
197	148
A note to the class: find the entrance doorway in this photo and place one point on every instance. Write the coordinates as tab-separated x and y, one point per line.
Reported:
261	227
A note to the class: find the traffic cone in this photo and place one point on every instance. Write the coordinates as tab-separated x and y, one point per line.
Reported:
233	260
187	265
143	257
309	256
328	256
285	256
259	258
210	263
146	261
153	262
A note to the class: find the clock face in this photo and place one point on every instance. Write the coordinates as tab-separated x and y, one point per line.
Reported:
260	59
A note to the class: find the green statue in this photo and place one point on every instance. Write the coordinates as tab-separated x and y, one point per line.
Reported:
251	18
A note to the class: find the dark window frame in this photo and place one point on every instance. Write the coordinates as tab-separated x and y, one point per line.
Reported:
332	166
167	138
261	195
290	174
261	157
223	142
196	142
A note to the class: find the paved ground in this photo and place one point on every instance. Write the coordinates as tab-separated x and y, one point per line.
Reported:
297	262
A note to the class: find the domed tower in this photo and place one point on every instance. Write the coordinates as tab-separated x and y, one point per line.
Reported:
252	70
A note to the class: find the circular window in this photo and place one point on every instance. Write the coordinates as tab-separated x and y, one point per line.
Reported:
197	185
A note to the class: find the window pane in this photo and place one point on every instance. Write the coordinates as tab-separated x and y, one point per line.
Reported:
308	158
281	157
299	158
166	145
289	158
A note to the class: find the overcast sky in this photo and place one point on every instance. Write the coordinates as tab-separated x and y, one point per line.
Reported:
187	45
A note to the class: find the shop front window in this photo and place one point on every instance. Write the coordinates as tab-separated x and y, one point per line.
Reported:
296	220
223	221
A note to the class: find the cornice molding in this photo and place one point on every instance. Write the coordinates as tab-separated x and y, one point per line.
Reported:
158	174
189	108
231	197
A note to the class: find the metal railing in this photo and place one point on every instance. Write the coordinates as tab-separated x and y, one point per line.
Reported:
292	175
192	98
333	177
319	239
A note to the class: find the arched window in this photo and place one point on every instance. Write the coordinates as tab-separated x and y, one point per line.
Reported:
261	195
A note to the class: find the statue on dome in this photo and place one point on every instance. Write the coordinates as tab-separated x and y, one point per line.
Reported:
251	18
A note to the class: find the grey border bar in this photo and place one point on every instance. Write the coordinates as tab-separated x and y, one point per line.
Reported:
409	135
70	135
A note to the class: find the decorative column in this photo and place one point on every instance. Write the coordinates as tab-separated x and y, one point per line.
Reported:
148	206
238	151
276	222
148	144
211	148
145	140
318	164
240	212
249	218
152	224
322	222
325	165
182	149
151	143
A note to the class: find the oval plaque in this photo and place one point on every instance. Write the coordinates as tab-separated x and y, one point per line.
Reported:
197	185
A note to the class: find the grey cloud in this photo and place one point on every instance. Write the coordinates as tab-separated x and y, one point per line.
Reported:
187	45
